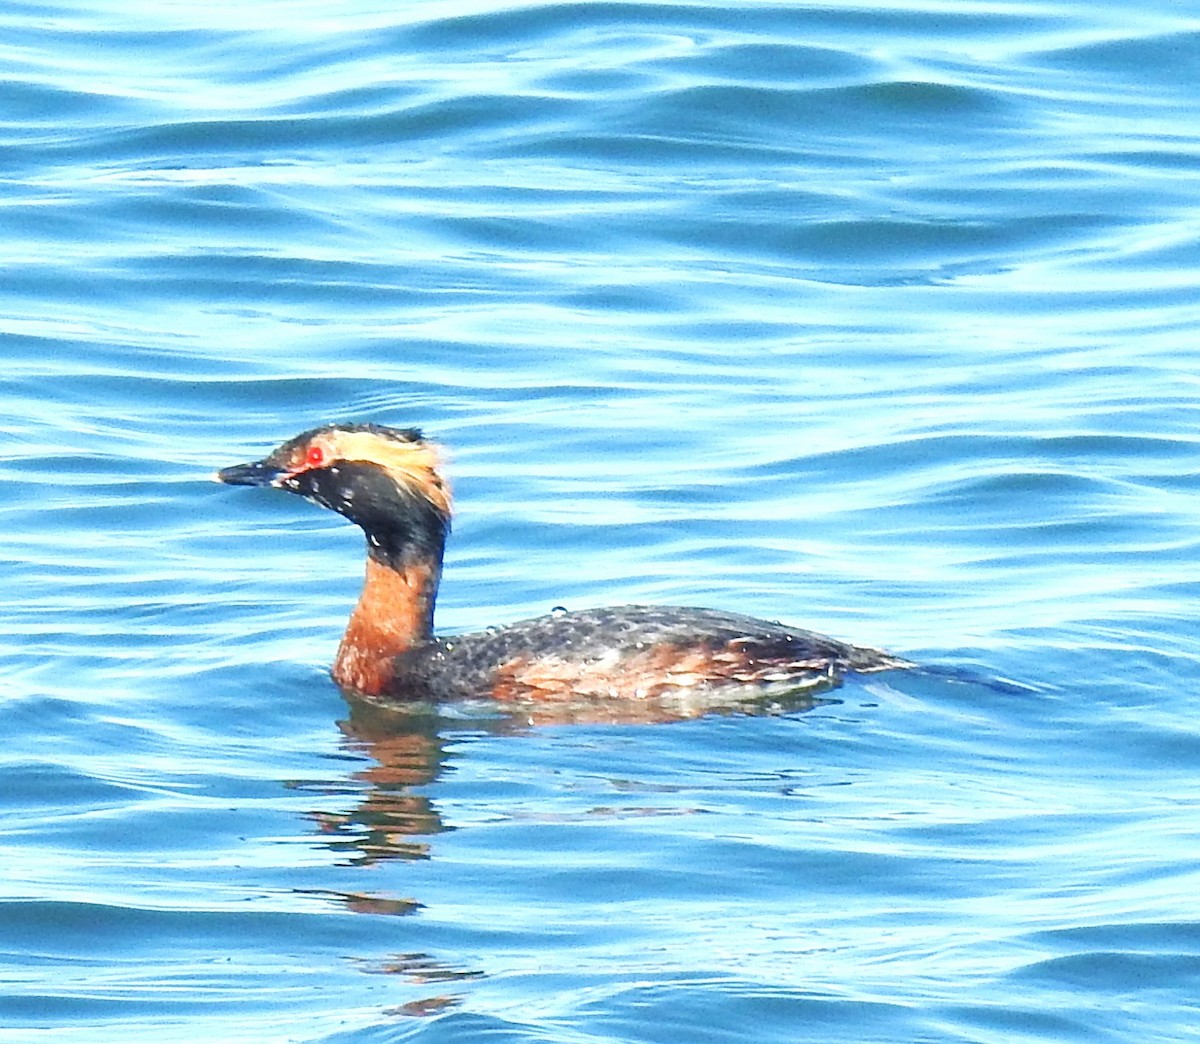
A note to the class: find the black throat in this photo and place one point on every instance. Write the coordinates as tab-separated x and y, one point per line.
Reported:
403	528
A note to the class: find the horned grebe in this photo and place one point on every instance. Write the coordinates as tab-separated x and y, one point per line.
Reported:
389	482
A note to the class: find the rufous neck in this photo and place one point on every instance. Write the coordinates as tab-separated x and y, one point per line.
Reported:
394	613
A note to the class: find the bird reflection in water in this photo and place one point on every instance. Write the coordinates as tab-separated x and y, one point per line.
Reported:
396	819
392	820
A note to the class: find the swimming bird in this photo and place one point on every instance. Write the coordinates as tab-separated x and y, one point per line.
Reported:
390	482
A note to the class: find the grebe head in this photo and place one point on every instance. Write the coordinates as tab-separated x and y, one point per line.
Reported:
386	480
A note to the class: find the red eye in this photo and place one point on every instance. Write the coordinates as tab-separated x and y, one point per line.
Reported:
316	457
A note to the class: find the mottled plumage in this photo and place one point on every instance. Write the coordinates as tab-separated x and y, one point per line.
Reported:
627	652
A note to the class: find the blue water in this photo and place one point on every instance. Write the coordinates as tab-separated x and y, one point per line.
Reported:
878	318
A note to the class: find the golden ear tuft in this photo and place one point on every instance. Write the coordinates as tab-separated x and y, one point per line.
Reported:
416	464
